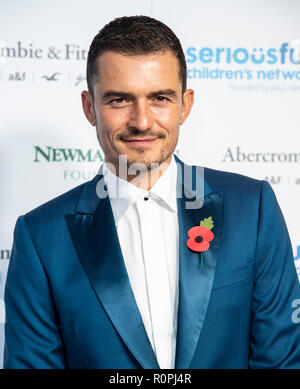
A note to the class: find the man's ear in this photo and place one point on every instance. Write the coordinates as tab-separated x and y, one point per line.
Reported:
88	108
187	104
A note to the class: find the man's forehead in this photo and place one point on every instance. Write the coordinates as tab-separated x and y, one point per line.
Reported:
114	67
152	61
112	55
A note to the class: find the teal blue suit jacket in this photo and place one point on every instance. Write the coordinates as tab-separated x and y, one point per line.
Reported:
69	303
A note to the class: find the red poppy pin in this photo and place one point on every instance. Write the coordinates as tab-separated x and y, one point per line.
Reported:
200	236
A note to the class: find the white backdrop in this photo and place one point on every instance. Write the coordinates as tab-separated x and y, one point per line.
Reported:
241	65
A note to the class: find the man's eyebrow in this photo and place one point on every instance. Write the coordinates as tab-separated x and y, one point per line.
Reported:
165	92
114	93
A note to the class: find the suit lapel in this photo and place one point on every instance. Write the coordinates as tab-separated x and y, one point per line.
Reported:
195	282
95	238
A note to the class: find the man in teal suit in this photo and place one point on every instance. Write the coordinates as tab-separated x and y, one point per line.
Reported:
81	287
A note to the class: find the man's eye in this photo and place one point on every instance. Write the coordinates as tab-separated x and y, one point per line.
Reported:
161	98
119	102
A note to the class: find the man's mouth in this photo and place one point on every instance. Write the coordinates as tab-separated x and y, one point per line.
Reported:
138	142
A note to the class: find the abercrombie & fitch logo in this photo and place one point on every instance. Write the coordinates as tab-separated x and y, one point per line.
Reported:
69	51
237	155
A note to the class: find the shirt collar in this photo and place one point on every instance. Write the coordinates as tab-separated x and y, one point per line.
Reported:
122	193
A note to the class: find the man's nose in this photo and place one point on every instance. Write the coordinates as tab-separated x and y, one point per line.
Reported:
141	116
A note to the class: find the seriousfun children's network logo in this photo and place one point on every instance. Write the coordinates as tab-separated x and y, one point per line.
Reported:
285	54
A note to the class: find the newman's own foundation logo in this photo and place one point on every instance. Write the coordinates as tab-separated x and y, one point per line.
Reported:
55	155
58	154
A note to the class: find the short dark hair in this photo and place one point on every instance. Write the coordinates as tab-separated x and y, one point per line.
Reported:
134	35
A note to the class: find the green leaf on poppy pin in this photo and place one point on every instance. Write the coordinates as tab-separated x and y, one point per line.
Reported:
207	222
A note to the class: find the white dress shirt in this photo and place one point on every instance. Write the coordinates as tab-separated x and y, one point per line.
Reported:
148	235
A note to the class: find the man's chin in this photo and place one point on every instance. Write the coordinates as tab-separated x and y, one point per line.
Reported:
145	162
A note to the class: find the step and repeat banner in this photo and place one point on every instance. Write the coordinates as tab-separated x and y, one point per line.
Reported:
243	62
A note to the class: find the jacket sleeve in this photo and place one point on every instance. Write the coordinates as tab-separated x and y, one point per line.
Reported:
275	334
32	338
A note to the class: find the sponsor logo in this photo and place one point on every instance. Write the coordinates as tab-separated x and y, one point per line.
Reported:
21	50
79	174
51	154
285	54
17	76
33	77
79	79
52	77
273	180
236	155
55	154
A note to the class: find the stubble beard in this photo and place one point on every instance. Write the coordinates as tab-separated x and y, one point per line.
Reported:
142	163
